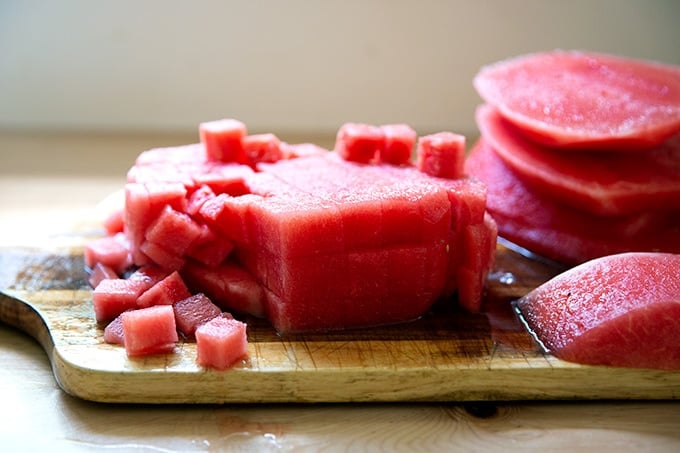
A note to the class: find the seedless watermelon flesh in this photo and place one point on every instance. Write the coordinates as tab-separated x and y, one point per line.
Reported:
575	99
561	232
599	182
619	310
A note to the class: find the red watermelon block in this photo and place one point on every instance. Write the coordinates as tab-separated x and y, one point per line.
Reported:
173	231
114	296
197	198
111	251
162	257
149	330
262	148
193	311
100	272
441	154
619	310
295	150
223	140
212	249
166	292
113	223
221	342
229	178
398	145
113	332
228	285
359	142
150	274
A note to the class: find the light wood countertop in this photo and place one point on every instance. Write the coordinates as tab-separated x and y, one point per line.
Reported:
49	181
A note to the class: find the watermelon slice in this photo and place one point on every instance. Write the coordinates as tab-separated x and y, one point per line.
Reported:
586	100
602	183
561	232
619	310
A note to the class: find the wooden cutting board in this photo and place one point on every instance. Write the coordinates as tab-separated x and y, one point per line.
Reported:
447	355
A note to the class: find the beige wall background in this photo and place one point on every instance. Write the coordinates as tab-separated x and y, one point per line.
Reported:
290	65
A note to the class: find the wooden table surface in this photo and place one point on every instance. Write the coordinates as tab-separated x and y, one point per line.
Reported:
49	181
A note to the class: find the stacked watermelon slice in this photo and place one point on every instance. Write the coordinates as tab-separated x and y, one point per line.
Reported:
581	153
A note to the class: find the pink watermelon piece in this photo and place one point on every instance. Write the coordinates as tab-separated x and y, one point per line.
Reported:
295	150
100	272
221	342
359	142
262	148
602	183
113	332
223	140
111	251
619	310
166	292
149	330
112	297
174	231
194	311
441	154
398	146
561	232
575	99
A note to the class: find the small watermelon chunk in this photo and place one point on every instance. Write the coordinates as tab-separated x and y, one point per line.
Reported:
602	183
149	330
111	251
441	154
166	292
100	272
359	142
575	99
221	342
223	140
398	146
173	231
112	297
194	311
619	310
113	332
262	148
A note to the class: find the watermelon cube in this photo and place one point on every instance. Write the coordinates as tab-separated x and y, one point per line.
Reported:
398	147
114	296
441	154
221	342
113	332
173	231
100	272
359	142
149	330
194	311
223	140
166	292
111	251
262	148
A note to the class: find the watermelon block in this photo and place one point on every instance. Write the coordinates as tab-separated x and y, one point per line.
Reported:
221	342
166	292
161	256
295	150
262	148
113	223
359	142
173	231
197	198
113	332
228	285
398	144
194	311
111	251
149	330
573	99
100	272
618	310
441	154
601	183
112	297
223	140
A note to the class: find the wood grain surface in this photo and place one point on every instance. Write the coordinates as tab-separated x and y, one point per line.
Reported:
447	355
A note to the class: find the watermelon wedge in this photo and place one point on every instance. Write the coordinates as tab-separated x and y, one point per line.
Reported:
600	182
620	310
588	100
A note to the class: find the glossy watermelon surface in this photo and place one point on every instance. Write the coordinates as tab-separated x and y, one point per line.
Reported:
619	310
575	99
